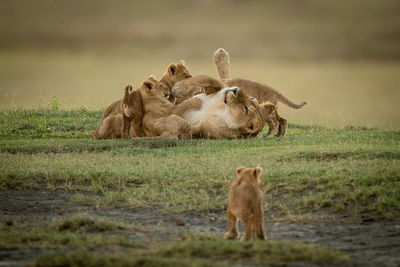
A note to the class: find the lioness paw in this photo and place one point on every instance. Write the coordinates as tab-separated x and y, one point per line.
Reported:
220	54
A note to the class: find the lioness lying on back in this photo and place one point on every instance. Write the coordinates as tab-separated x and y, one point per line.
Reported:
245	202
229	113
187	88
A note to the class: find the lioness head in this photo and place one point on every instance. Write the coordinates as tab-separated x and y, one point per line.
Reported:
246	111
250	175
175	72
132	104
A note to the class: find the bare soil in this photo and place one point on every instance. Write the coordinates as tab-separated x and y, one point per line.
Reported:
371	242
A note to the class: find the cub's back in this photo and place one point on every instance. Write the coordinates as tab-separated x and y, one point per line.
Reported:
261	92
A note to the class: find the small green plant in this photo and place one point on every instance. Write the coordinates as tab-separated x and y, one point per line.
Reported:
54	104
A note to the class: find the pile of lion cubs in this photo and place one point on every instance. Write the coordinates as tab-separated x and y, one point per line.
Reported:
181	106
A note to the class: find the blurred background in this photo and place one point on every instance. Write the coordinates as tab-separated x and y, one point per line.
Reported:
342	57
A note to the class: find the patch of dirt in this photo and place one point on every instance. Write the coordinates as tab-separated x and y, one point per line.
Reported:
371	242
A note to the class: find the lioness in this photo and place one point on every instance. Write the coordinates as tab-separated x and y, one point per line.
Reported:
229	113
187	88
162	119
245	202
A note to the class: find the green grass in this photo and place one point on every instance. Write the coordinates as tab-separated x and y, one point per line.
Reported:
259	252
351	170
76	232
312	171
99	241
205	251
84	259
47	123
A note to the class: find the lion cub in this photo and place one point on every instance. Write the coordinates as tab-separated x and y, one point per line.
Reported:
125	123
162	118
130	107
245	202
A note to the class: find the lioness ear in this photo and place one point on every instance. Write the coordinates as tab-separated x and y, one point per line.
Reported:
238	170
172	69
149	85
181	62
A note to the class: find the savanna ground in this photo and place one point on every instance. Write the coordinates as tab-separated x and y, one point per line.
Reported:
332	185
331	195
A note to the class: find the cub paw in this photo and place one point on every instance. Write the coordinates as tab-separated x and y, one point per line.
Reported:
230	235
93	134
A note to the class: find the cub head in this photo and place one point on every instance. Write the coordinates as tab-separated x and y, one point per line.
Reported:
132	103
161	89
164	91
157	88
176	72
146	88
250	175
246	111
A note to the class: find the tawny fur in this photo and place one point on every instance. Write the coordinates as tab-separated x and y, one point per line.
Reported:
162	119
245	203
175	72
130	109
229	113
222	61
110	127
262	92
131	105
162	89
189	87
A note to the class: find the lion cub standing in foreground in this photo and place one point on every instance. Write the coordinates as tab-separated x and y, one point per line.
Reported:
245	202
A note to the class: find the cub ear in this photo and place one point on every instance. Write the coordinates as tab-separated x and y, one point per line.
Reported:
257	171
149	85
181	62
172	69
238	170
152	78
126	91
